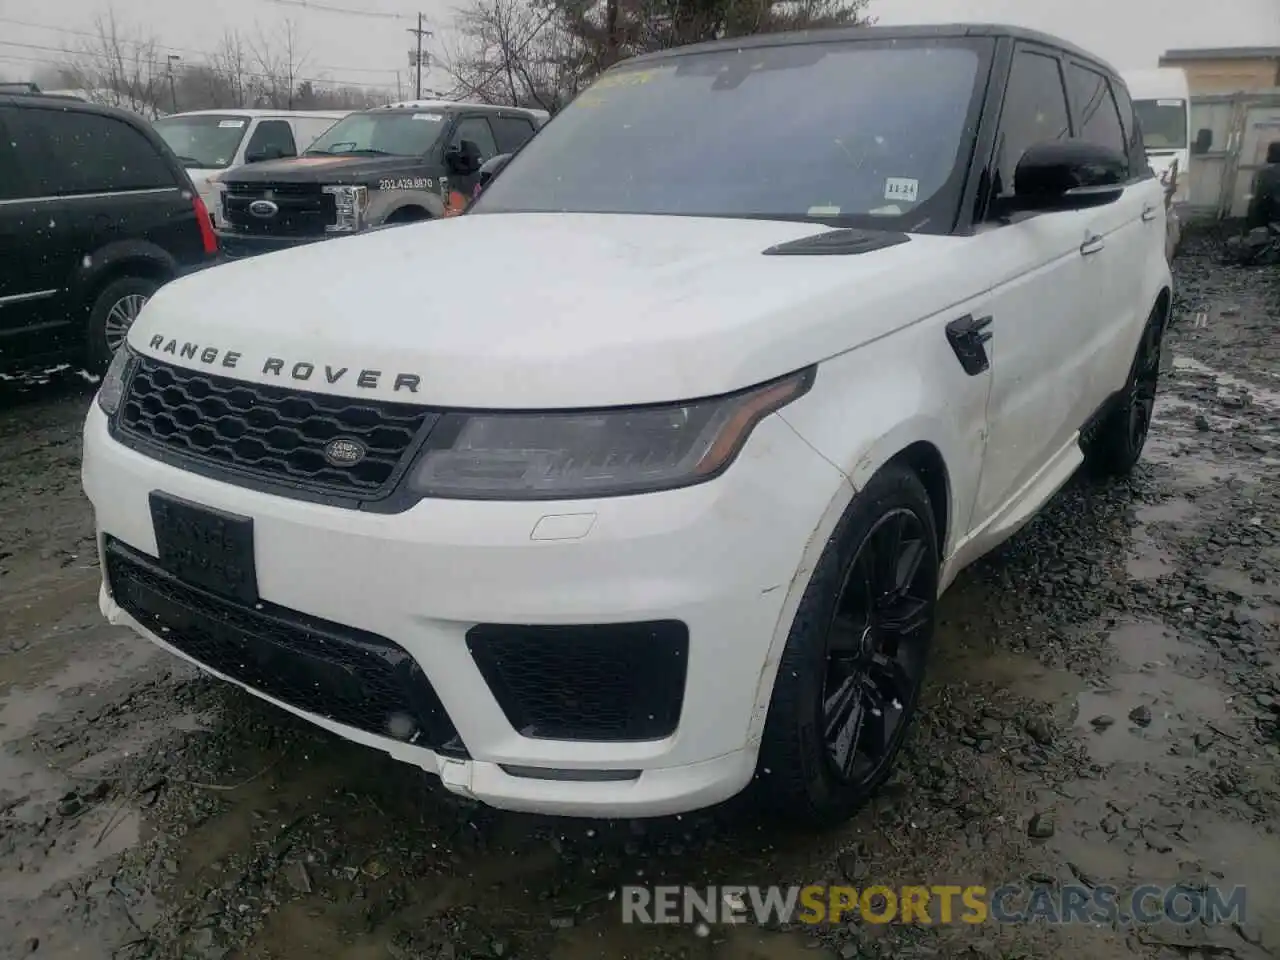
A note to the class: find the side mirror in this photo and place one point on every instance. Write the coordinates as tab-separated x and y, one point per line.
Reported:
1204	140
463	158
491	167
1065	175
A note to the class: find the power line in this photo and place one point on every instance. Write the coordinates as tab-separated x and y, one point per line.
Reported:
157	63
326	8
147	43
419	33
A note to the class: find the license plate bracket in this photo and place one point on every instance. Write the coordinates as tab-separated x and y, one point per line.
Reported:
204	547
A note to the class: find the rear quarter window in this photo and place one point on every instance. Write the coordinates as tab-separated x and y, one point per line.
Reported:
78	153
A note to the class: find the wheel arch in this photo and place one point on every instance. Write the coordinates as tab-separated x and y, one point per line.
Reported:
126	259
923	457
1164	307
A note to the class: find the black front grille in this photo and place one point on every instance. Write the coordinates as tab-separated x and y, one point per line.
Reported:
268	433
302	209
621	681
349	676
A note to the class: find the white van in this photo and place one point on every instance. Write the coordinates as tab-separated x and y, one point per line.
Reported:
211	142
1162	102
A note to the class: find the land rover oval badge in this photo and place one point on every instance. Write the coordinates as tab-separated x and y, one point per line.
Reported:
344	452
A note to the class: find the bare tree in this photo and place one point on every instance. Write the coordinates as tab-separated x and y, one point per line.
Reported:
278	59
542	52
231	63
511	51
119	67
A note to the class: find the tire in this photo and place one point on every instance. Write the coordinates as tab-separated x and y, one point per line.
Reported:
1114	446
798	775
113	312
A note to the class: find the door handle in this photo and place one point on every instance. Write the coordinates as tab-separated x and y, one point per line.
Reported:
1149	213
968	337
1092	244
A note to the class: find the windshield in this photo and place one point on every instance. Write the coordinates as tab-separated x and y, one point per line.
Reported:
399	133
206	142
1163	122
861	132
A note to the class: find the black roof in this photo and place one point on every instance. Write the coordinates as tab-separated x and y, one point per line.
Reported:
839	34
58	101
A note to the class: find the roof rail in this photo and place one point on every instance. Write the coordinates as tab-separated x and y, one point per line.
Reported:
20	87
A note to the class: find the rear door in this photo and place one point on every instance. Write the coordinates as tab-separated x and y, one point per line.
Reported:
1122	233
33	238
120	195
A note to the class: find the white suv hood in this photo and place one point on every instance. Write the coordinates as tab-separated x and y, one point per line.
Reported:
543	310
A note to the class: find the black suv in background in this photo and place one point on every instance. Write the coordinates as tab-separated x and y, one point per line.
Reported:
96	213
394	164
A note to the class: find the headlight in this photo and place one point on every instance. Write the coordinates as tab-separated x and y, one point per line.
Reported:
576	454
111	390
351	203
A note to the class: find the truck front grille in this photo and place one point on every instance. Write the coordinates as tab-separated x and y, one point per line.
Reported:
345	675
258	435
302	210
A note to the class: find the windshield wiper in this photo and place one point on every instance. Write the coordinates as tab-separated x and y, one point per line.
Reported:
348	153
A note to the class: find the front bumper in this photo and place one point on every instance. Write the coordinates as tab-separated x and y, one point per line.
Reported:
238	246
720	557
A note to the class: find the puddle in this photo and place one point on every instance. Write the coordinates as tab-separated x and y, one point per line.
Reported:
1176	510
1260	395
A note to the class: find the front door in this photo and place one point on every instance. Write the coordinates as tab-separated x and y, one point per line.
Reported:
459	189
1039	395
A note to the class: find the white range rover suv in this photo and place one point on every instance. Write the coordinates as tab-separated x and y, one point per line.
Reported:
640	481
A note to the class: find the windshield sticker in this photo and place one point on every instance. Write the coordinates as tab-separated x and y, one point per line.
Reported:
234	124
1168	103
628	78
823	212
901	188
433	117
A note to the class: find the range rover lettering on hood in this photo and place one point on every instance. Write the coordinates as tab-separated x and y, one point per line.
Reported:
299	370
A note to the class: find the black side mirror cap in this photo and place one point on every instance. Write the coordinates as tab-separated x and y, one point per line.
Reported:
1065	175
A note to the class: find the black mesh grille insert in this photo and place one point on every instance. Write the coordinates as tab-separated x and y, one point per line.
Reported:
622	681
348	676
301	209
266	432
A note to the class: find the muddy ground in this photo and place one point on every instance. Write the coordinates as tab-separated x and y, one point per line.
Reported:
1104	707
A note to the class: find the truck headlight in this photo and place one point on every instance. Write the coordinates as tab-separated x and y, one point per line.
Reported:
351	203
111	390
562	455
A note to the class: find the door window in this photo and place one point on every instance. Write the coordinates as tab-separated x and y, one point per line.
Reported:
12	186
1132	130
77	153
1095	109
1035	111
476	129
272	140
512	132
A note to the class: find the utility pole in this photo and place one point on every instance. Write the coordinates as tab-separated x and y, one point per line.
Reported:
173	89
417	56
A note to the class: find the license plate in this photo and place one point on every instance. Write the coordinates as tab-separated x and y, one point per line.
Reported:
205	547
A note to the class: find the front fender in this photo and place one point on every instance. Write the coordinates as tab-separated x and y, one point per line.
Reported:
384	203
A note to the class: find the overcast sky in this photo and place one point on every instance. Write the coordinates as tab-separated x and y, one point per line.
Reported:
366	41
